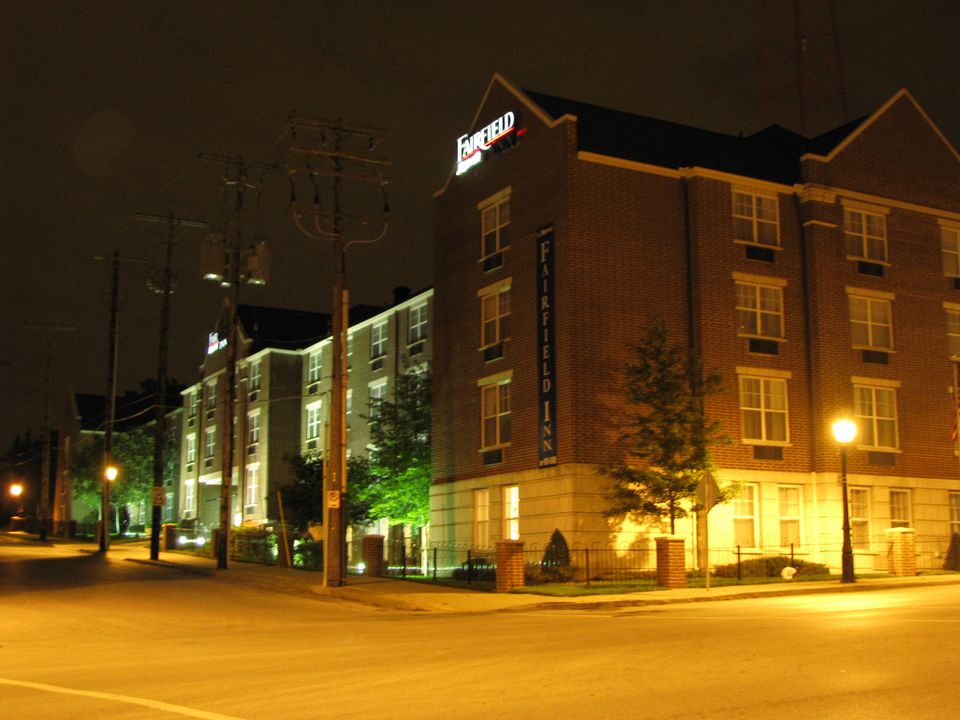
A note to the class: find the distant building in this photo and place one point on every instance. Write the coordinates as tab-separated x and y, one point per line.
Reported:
821	276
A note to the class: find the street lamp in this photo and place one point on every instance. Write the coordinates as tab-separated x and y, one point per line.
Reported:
110	473
844	431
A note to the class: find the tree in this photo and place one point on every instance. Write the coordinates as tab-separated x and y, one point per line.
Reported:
666	440
303	494
397	483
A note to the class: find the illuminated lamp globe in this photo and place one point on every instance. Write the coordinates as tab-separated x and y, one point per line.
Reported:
844	430
111	472
16	489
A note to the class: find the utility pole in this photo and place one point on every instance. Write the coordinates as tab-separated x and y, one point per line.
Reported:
336	151
231	278
165	289
111	402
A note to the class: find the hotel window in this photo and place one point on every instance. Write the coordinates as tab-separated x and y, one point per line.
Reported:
253	428
859	503
417	324
495	414
349	350
494	217
511	512
481	518
759	310
313	367
209	443
494	319
255	375
189	497
349	410
192	403
745	517
763	410
954	501
876	414
899	508
871	323
950	244
378	393
378	340
865	235
211	398
755	218
191	448
953	332
313	421
789	496
252	489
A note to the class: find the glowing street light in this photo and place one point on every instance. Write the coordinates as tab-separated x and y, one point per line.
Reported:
844	432
16	490
111	472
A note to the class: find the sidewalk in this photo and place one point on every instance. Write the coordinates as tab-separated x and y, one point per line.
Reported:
414	596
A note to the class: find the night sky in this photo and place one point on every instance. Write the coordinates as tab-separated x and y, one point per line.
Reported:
105	105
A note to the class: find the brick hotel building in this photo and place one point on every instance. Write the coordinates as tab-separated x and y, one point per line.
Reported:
820	276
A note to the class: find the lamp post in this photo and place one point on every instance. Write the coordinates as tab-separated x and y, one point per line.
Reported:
16	490
109	475
844	432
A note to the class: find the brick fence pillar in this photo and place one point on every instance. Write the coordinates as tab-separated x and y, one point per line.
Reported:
901	552
373	555
509	565
671	562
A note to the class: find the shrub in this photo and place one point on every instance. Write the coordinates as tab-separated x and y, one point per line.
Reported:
254	544
308	554
770	567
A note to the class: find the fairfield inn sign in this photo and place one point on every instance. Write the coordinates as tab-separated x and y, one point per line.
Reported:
470	148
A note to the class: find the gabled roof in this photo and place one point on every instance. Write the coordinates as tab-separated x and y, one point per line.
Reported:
280	328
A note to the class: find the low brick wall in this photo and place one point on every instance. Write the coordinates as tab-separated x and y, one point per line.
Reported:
671	563
901	552
373	555
509	565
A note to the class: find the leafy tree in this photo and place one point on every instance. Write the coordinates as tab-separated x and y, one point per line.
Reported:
667	438
303	494
397	483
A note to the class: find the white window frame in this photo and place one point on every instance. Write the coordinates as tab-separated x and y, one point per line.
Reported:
250	488
349	409
495	408
211	395
376	392
866	413
786	516
494	314
862	238
494	217
740	504
874	306
950	248
313	420
952	311
193	403
189	497
417	320
901	510
314	367
481	518
209	442
859	504
255	375
191	448
378	340
756	292
253	427
953	505
511	512
766	410
760	203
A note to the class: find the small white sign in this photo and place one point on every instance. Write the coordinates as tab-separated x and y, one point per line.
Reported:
159	497
333	499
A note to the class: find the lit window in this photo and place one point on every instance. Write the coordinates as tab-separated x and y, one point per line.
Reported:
212	395
859	504
745	517
189	497
763	410
192	403
789	496
313	421
349	410
191	448
252	488
209	442
511	512
255	375
865	235
953	332
253	427
417	324
313	367
954	499
950	243
481	518
493	218
378	340
876	414
495	404
494	319
760	311
871	322
755	219
899	508
378	393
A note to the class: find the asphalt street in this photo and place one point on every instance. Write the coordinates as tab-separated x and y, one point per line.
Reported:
82	636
